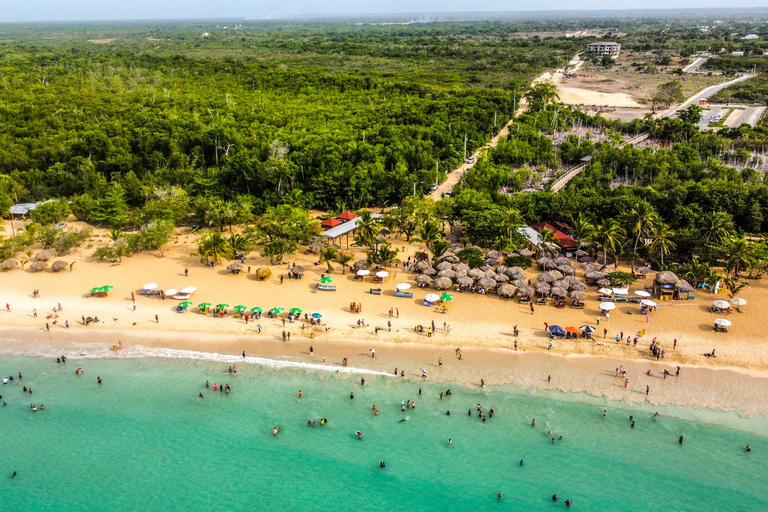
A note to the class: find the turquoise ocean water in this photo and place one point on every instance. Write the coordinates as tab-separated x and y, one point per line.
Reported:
143	440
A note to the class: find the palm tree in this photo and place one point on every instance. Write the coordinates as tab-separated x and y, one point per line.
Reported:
384	255
327	255
511	219
642	220
739	254
662	240
429	233
547	241
696	272
366	232
439	247
715	228
609	236
244	205
115	235
502	244
213	247
240	244
343	258
582	231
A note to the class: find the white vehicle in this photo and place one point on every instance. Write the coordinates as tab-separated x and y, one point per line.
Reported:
471	160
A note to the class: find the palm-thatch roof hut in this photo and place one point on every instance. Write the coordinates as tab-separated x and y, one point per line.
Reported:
37	266
442	283
235	268
666	277
59	265
9	264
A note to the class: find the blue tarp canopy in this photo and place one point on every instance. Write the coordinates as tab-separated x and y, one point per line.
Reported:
556	330
587	328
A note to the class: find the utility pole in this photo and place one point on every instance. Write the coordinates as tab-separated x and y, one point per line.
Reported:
437	170
465	147
494	118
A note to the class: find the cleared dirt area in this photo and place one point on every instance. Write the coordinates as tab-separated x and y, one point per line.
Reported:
632	84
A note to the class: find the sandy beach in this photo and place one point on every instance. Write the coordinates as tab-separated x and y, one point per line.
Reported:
481	324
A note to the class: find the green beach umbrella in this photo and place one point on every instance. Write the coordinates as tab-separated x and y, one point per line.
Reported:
317	315
256	310
204	305
276	311
185	304
95	290
222	306
446	297
326	280
106	288
296	311
240	308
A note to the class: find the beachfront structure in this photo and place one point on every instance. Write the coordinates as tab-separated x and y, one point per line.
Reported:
533	238
341	227
604	48
563	241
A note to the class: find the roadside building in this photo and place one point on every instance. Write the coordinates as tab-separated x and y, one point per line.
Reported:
604	48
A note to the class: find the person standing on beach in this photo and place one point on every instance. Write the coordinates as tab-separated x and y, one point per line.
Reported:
34	313
397	312
186	272
440	362
311	351
8	307
134	306
157	319
531	307
647	389
373	353
674	344
550	345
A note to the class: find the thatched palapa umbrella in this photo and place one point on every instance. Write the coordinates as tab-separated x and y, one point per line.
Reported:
501	278
59	265
9	264
525	252
429	271
643	270
506	290
571	280
578	287
666	277
603	282
578	295
444	265
562	260
235	268
525	290
465	281
442	283
422	265
556	274
361	265
565	269
422	279
684	286
546	263
461	266
476	273
460	273
43	256
37	266
450	274
263	273
450	258
487	283
542	288
545	278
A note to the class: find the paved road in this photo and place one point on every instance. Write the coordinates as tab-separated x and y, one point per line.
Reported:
704	93
748	115
695	65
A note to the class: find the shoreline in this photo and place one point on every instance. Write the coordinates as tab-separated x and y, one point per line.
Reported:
726	389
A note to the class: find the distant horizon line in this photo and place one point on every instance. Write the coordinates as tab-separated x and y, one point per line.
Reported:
448	15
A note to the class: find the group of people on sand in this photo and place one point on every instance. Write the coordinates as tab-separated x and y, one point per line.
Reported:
355	307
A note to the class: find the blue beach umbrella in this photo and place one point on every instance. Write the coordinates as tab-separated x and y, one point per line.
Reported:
556	330
317	315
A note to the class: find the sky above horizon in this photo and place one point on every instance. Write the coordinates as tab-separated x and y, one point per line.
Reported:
92	10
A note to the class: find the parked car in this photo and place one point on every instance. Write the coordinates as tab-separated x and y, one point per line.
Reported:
471	160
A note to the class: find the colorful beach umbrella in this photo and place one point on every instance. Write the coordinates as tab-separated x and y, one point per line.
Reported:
445	297
95	290
256	310
326	279
204	305
106	288
185	304
276	311
587	328
317	315
240	308
296	311
222	306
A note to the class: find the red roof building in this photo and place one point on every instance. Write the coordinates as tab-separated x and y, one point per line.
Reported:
347	216
330	223
563	240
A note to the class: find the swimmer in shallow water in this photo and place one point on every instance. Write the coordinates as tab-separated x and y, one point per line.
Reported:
359	434
404	419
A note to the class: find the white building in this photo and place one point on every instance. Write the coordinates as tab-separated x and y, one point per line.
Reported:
751	36
604	48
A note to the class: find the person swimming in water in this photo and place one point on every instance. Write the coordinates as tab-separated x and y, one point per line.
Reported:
404	419
382	464
748	449
499	495
521	462
359	434
554	497
680	440
568	503
275	430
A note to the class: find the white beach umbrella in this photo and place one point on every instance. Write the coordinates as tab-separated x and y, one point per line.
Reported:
738	301
648	303
403	286
605	291
171	291
382	273
621	291
723	322
607	306
363	272
189	289
721	304
150	286
642	293
432	297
